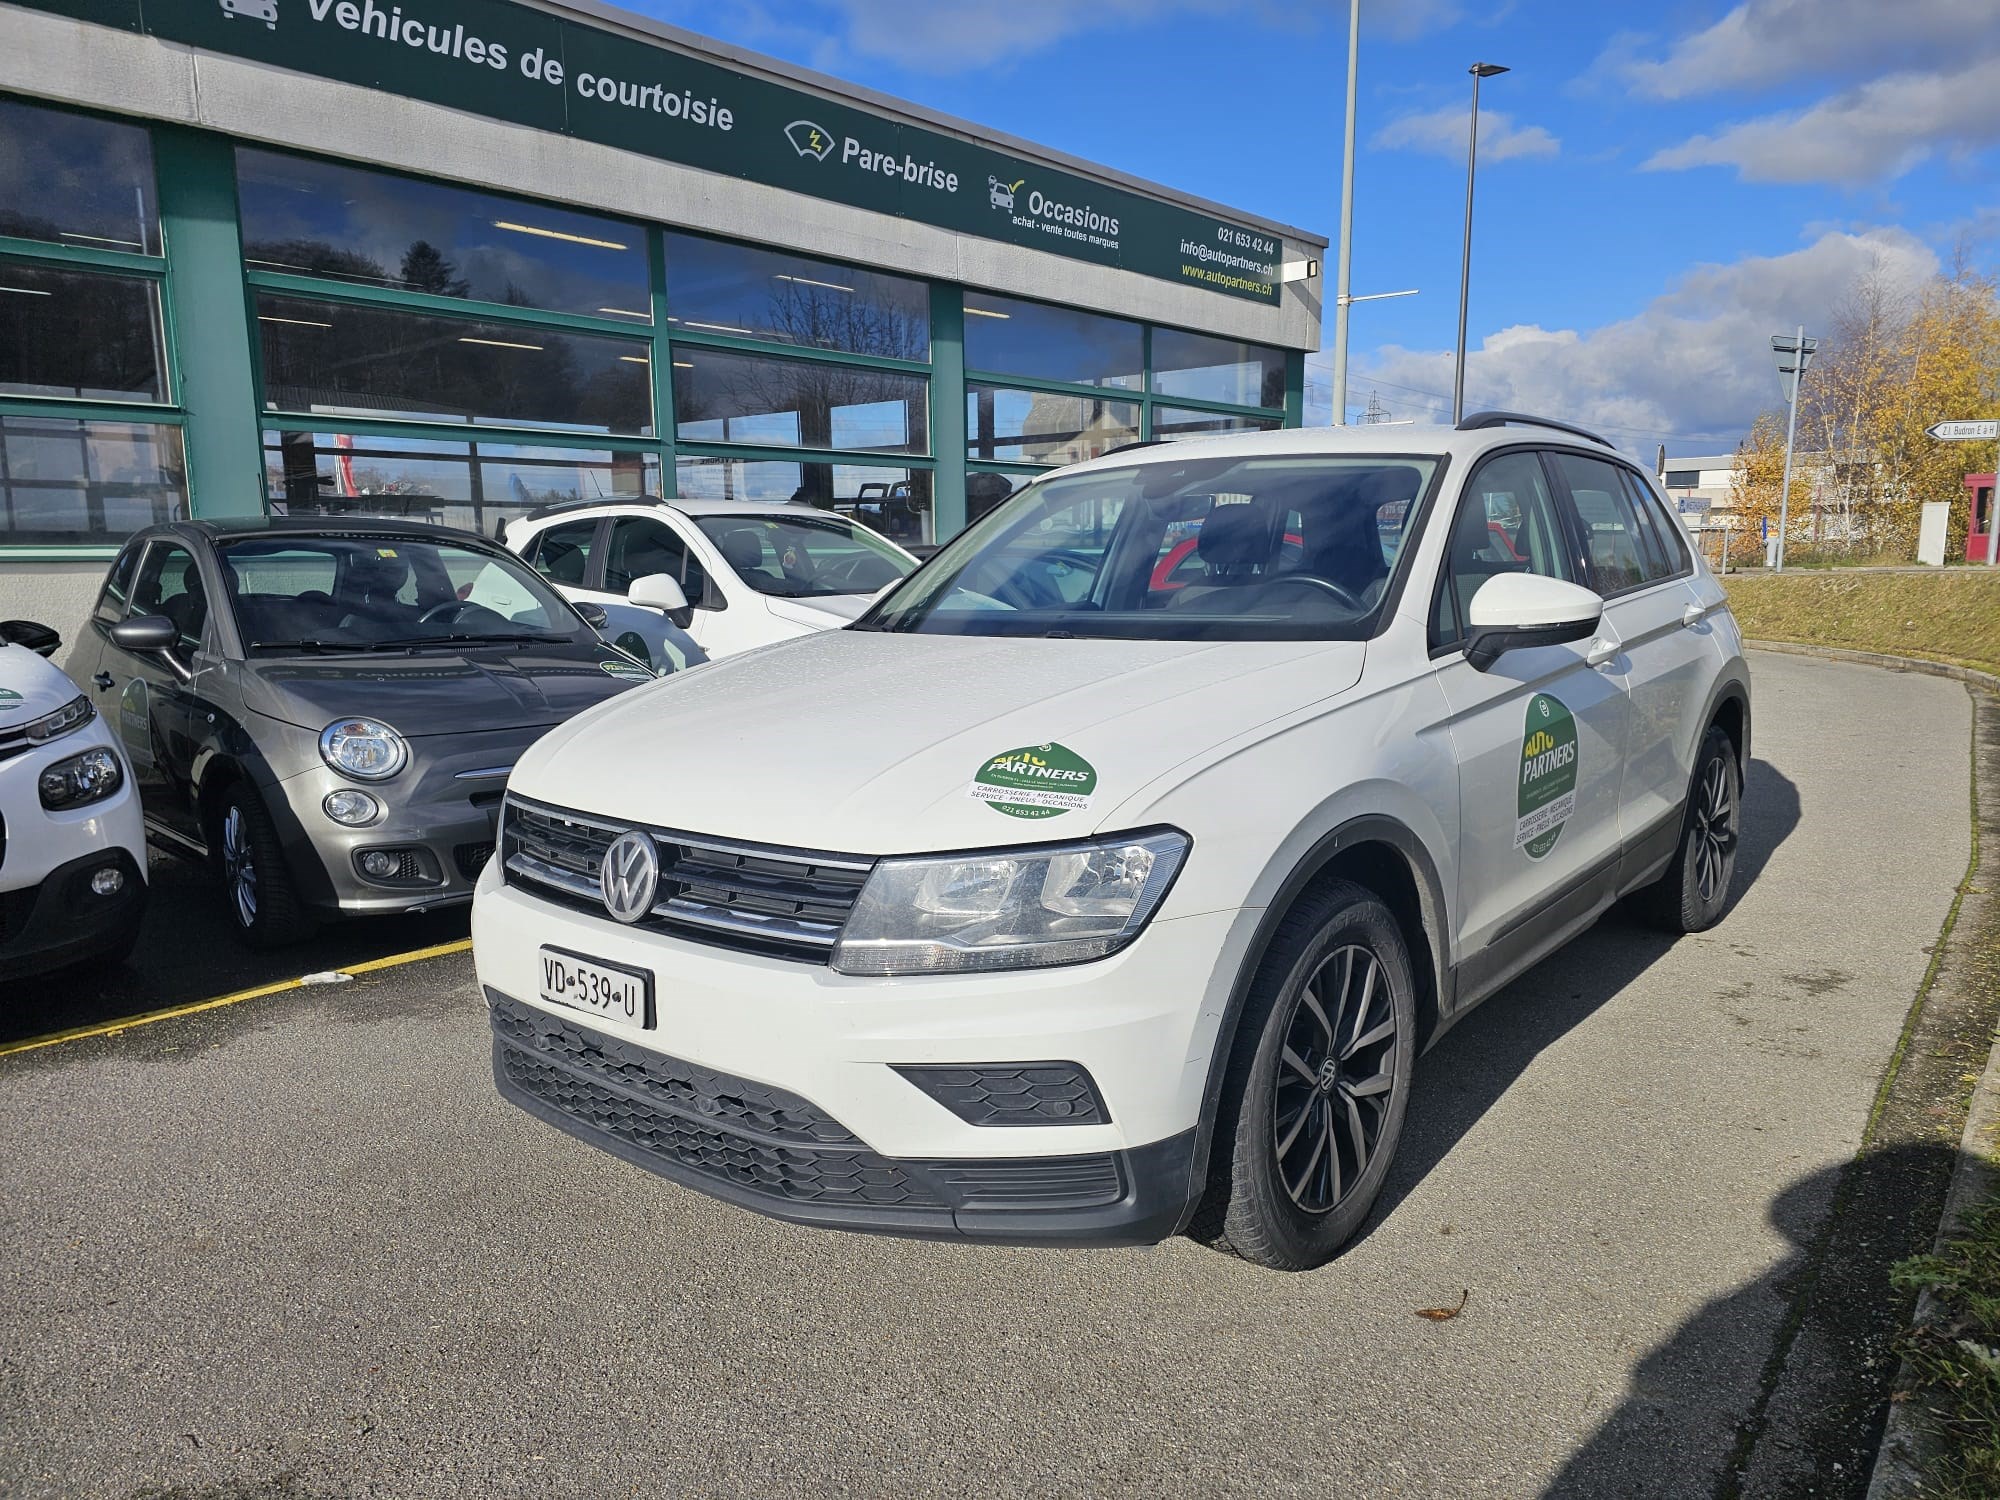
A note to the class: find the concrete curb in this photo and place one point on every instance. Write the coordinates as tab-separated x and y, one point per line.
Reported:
1898	1472
1978	679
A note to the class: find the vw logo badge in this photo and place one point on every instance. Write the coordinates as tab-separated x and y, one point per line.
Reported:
630	876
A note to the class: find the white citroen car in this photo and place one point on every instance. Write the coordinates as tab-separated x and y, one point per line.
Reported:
72	843
1092	888
741	574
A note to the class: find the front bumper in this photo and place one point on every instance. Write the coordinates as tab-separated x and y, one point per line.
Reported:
61	921
775	1084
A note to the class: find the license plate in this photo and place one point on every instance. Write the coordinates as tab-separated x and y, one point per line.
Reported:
602	989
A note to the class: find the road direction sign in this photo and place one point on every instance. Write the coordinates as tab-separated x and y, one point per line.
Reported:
1963	432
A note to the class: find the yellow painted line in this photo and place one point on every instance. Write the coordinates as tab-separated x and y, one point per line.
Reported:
195	1007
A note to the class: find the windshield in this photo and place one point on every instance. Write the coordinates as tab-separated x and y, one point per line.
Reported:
357	593
1281	548
805	557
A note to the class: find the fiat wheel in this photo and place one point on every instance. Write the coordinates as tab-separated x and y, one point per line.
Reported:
257	885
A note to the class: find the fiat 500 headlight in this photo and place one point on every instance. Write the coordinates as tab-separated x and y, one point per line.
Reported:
366	749
1023	909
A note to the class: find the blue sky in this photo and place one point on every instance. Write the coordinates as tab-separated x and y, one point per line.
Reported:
1661	186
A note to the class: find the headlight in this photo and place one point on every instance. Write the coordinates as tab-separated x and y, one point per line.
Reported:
1008	910
71	716
81	780
366	749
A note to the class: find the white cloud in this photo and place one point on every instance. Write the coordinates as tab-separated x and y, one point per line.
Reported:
1879	130
1764	42
1693	367
1442	133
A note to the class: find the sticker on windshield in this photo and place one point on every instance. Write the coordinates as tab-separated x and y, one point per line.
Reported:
1036	781
1547	793
8	695
626	671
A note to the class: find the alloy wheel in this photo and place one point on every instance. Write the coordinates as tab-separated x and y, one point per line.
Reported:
1336	1078
1714	831
239	865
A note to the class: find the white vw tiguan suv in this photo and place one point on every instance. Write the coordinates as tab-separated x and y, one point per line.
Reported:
1106	878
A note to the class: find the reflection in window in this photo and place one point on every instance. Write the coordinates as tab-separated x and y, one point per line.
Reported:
987	491
1202	368
75	180
471	485
749	293
1006	336
739	398
317	218
362	360
70	481
895	502
1171	423
1038	428
79	334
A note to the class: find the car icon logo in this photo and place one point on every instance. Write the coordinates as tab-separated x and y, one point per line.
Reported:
258	10
1001	194
807	138
630	876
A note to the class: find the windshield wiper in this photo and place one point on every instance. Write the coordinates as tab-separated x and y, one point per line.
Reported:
309	645
460	638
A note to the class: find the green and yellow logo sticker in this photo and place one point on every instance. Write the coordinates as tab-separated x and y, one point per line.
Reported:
626	671
1036	781
1547	791
8	695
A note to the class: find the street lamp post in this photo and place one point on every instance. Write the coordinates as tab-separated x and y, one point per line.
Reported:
1793	355
1341	300
1478	70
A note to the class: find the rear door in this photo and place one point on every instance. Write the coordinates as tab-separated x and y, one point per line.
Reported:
1639	561
1540	737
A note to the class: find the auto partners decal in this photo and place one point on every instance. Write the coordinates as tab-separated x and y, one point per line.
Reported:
8	695
1036	781
1547	791
626	671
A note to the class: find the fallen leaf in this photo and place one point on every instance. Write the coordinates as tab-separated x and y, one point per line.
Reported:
1445	1314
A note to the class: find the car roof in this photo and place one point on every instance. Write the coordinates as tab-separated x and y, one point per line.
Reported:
235	528
685	507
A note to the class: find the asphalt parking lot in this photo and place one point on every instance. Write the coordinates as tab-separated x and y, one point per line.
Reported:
297	1248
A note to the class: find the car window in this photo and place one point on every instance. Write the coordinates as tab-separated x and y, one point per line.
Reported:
1186	548
561	554
1506	523
169	583
806	556
1621	553
640	547
117	589
1657	523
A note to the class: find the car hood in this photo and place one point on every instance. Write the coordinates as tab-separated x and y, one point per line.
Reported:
442	692
30	686
870	743
821	612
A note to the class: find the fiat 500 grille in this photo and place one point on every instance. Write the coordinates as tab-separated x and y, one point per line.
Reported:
788	903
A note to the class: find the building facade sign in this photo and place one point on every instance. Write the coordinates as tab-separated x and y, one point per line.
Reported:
511	62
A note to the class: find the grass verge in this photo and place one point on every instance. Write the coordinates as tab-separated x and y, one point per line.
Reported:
1952	615
1956	1356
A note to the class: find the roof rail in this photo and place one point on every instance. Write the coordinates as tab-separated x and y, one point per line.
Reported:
1480	420
1128	447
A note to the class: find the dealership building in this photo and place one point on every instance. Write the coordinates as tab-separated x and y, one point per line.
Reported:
455	258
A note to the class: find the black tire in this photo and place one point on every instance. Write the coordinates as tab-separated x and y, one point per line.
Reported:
257	889
1693	893
1270	1200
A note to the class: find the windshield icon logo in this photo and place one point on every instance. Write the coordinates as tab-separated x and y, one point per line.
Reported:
258	10
630	876
807	138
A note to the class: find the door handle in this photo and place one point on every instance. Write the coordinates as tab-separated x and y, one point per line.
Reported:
1602	652
103	680
1693	615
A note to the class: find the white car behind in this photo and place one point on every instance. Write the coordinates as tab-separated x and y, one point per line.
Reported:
743	575
72	845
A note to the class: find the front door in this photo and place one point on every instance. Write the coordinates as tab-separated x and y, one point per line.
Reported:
144	698
1540	737
645	545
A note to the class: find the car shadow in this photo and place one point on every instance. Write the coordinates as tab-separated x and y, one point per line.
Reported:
188	951
1479	1059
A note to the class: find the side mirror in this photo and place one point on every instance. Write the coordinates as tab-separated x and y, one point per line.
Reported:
38	638
152	633
662	591
1515	611
593	614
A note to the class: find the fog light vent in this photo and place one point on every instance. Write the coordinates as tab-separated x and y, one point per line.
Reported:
1046	1093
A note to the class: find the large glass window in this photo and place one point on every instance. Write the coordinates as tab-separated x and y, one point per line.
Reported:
1200	368
318	218
79	334
739	398
1171	423
1006	336
365	360
63	480
987	490
1041	428
895	502
472	485
714	287
74	180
